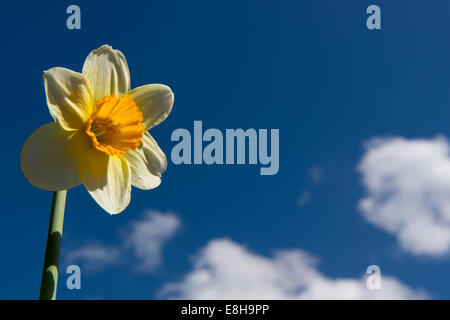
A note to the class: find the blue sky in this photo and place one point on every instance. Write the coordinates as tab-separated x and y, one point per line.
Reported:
309	68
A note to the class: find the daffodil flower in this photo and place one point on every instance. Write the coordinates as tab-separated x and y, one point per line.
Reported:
99	135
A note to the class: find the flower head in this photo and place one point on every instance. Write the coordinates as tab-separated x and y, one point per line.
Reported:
99	135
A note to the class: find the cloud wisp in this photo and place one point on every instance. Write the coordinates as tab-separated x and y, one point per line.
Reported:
304	198
147	236
143	238
315	175
94	257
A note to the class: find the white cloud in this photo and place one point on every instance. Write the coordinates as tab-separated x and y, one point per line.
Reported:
147	236
408	192
144	237
226	270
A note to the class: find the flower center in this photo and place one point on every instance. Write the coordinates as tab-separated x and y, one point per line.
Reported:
115	126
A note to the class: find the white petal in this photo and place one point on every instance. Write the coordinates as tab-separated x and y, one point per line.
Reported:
107	178
147	164
155	102
49	157
69	97
107	71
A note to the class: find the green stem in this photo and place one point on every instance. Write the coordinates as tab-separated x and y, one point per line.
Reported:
49	279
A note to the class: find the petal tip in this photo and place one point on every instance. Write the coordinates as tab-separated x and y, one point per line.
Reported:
103	47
